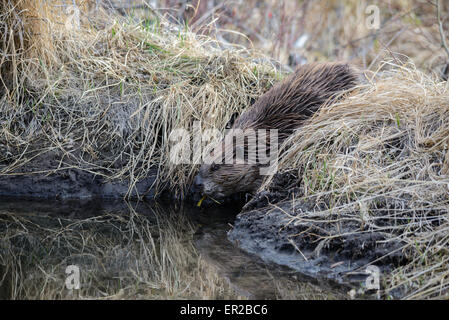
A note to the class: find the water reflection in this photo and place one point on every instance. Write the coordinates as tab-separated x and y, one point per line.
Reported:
128	250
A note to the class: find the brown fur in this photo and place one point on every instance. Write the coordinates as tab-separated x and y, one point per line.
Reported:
285	107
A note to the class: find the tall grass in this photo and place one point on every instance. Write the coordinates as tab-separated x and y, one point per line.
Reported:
377	162
107	92
321	30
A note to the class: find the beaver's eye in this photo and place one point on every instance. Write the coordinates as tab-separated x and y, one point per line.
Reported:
214	167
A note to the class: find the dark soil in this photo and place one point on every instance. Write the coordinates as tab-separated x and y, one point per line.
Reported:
265	227
29	181
261	228
251	276
283	186
267	233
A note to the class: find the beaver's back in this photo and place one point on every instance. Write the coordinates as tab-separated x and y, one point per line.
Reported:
298	97
284	107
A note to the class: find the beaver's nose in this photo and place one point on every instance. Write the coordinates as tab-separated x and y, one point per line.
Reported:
198	185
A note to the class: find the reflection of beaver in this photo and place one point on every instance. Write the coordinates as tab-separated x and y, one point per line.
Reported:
284	107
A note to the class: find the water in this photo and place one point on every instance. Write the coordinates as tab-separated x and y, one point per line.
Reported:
140	250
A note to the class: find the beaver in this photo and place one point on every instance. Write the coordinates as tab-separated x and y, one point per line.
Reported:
285	107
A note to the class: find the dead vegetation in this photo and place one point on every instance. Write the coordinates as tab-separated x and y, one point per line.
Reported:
377	163
295	32
106	91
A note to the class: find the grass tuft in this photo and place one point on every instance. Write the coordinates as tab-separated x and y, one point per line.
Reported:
377	162
106	93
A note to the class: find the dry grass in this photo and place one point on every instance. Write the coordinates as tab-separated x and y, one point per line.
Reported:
106	93
378	161
336	30
323	30
121	256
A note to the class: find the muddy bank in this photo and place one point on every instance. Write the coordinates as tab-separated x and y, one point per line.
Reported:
260	229
247	273
46	176
271	233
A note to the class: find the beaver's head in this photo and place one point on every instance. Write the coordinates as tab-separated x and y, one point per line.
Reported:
227	173
219	181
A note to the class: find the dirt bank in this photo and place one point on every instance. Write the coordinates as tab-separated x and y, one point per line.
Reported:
269	233
44	177
363	183
90	111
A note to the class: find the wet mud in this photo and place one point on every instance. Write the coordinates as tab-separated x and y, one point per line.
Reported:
45	177
270	233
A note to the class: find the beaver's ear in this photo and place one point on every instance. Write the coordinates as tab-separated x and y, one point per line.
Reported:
232	120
